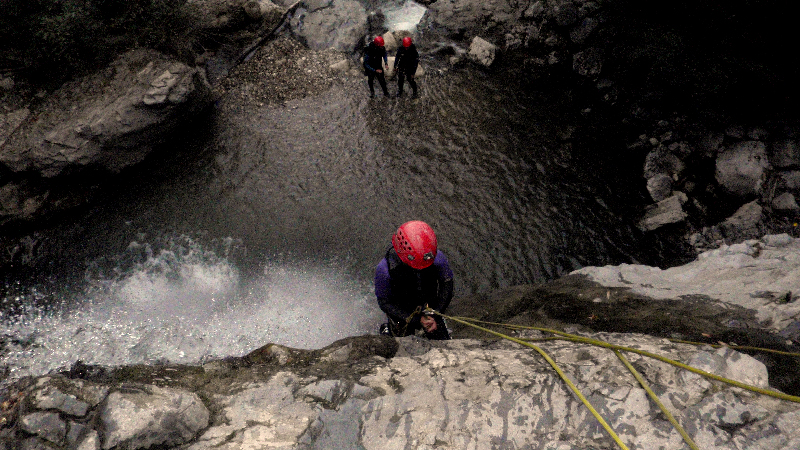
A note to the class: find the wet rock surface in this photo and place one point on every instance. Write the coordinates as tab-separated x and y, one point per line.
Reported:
378	392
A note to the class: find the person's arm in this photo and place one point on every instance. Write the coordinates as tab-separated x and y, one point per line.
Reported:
385	58
397	57
366	62
383	291
445	293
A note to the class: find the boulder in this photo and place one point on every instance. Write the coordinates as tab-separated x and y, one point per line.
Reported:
659	186
741	168
746	223
791	180
109	120
482	51
785	154
661	161
785	202
468	18
150	415
665	212
262	10
330	24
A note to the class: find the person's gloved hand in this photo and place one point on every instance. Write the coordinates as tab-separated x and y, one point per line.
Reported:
428	323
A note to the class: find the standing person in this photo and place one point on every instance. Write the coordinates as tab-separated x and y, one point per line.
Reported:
374	60
414	276
405	65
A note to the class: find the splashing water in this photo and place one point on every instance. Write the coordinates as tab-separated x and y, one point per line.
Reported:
402	15
187	305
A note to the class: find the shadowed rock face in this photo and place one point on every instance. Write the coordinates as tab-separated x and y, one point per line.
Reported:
376	392
108	121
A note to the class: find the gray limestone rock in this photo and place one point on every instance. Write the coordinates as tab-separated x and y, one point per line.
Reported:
447	395
785	202
746	223
140	418
108	122
469	18
482	51
665	212
661	160
659	186
791	180
52	398
741	168
330	24
46	425
737	274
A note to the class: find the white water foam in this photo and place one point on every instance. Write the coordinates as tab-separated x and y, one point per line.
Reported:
189	307
402	15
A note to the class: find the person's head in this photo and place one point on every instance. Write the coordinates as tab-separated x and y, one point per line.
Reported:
407	41
415	244
378	41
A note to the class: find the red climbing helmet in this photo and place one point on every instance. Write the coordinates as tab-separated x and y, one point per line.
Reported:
406	41
378	41
415	244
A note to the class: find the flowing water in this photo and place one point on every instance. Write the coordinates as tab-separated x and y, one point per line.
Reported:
264	224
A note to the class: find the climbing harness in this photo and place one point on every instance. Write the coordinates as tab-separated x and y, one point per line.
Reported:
617	349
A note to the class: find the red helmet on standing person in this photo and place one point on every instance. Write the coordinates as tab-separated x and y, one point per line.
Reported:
379	41
415	244
406	41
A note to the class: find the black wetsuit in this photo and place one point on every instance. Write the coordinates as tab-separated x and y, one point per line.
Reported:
374	58
405	63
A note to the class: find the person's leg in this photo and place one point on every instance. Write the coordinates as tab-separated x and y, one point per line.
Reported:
413	84
401	78
370	83
382	81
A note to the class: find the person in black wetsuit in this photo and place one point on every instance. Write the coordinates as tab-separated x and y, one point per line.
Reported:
413	276
405	65
374	60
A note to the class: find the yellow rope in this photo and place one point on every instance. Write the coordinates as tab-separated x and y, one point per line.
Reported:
576	338
657	401
738	347
558	370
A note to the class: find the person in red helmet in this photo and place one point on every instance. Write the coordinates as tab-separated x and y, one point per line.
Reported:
405	65
374	60
414	275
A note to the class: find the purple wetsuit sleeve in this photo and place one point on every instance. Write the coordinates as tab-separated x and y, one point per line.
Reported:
445	281
383	291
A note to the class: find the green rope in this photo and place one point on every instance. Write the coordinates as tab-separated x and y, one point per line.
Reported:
557	369
576	338
738	347
657	401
